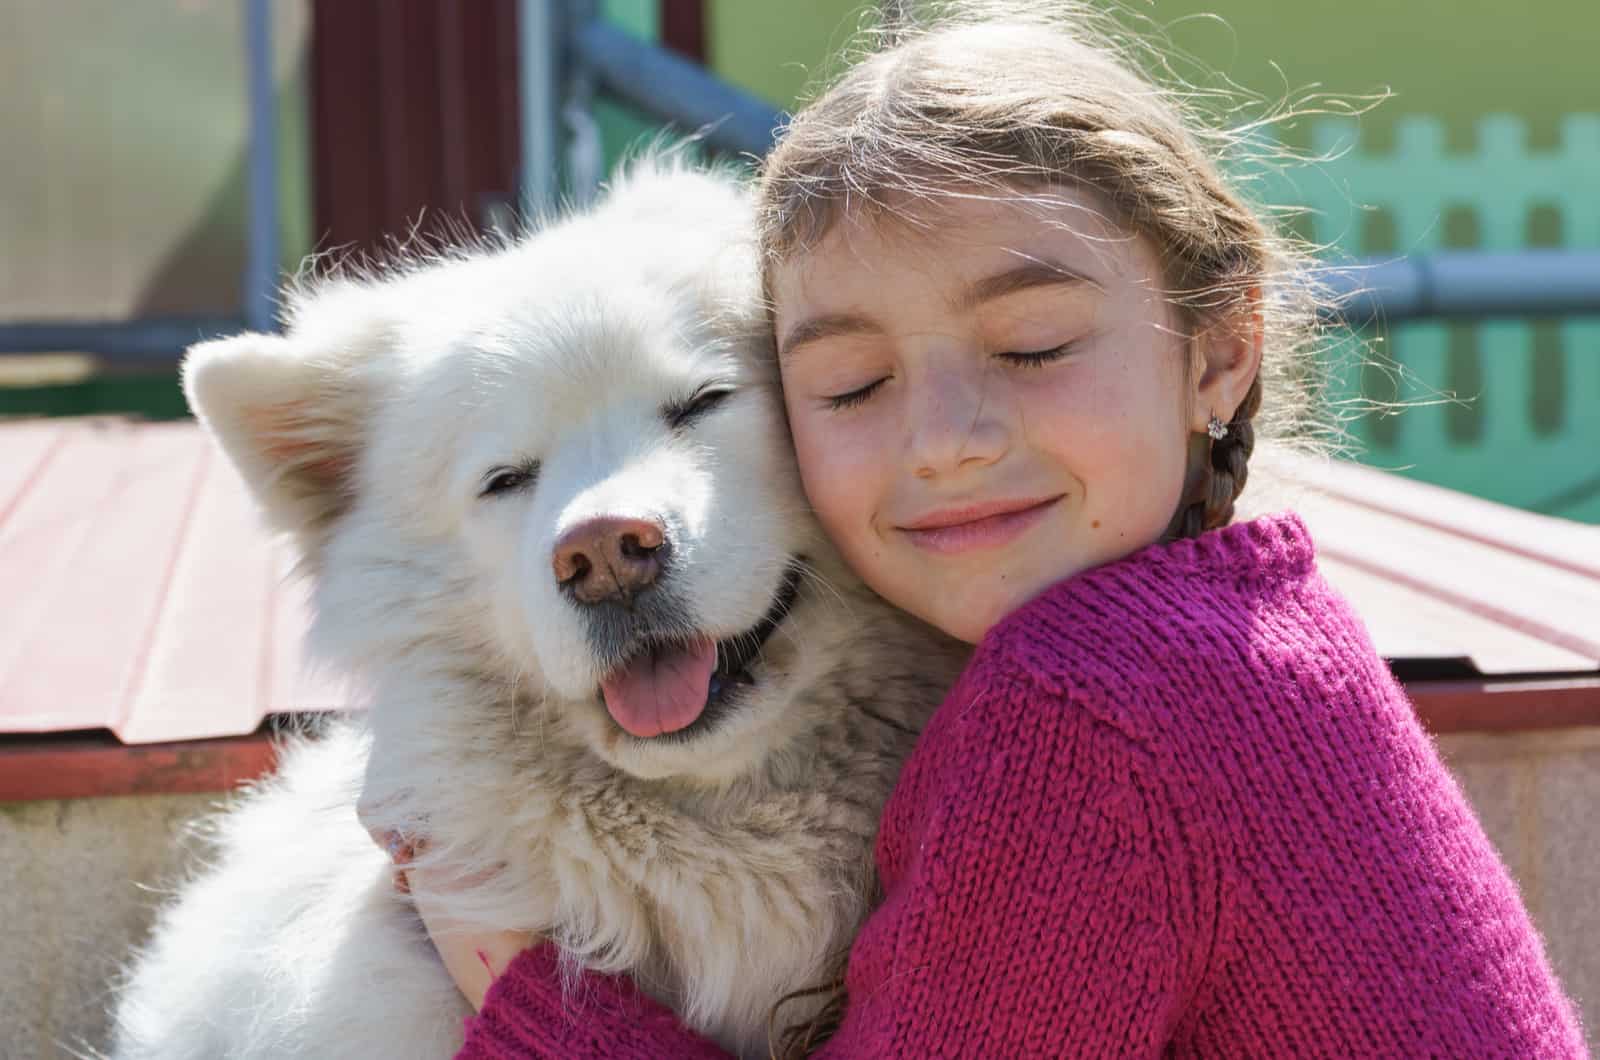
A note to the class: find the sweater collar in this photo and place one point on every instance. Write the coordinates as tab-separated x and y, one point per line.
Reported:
1266	547
1250	556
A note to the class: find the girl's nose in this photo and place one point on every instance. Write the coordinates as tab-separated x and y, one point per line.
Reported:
958	422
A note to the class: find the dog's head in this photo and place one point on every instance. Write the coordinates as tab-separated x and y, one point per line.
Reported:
563	462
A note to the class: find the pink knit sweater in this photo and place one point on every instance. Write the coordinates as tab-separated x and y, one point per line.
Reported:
1176	806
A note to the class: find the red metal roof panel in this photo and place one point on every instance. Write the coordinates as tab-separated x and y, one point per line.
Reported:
1440	574
139	593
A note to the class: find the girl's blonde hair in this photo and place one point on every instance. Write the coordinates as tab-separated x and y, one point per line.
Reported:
1005	99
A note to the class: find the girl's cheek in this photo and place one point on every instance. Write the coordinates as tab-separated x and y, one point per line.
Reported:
1064	409
821	448
837	455
810	449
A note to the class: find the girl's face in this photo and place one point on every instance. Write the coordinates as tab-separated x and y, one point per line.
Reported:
990	401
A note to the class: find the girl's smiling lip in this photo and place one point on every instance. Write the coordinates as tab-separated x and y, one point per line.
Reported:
978	526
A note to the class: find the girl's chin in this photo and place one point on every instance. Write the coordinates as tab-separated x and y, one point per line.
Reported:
968	619
964	604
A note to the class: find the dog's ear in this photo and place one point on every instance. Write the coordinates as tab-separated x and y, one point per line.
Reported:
290	419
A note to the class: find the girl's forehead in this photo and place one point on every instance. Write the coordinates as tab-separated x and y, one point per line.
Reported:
958	236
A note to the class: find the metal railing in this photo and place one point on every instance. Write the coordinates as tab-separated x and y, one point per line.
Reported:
1463	285
1467	285
568	52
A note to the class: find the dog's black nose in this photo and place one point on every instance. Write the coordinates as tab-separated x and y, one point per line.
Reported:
610	558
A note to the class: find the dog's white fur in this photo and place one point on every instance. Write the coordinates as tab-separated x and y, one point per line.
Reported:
722	868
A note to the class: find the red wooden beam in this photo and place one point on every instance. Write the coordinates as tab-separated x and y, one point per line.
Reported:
1506	706
414	117
683	28
85	765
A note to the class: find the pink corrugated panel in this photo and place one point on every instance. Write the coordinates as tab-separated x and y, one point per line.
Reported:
140	593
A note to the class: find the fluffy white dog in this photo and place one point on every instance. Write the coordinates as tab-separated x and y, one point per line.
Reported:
549	508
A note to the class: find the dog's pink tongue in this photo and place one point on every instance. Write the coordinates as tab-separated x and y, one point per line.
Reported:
663	691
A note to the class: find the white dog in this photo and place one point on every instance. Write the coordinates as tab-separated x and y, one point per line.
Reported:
549	508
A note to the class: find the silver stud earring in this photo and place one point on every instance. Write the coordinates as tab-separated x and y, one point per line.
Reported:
1216	429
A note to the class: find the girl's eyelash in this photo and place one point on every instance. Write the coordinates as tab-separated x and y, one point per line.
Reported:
855	397
1037	358
1030	359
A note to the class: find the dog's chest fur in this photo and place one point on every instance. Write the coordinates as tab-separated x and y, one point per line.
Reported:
718	899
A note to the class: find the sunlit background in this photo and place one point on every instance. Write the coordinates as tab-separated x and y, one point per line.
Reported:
164	163
125	188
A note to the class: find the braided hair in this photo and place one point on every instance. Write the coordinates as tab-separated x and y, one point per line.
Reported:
1225	471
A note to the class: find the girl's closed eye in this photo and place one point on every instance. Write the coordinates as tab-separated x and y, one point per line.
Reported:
1038	358
852	398
849	399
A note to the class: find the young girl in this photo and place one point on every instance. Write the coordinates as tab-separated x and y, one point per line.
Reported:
1176	805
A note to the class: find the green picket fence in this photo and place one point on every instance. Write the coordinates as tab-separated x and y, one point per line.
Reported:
1508	410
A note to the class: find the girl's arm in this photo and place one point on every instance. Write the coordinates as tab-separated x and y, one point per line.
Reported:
526	1014
1045	906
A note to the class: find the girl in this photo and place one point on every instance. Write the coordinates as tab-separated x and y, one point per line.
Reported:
1176	805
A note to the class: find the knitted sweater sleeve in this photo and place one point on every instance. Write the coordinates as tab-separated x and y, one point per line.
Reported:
1045	907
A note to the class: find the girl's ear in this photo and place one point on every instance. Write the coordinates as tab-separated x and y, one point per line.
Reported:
1227	359
291	421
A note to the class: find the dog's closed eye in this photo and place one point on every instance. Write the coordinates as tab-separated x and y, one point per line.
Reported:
502	479
681	414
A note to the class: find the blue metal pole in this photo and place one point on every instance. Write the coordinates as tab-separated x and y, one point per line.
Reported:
1468	285
539	27
261	254
672	88
155	340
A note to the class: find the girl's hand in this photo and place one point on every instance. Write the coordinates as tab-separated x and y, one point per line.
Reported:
472	956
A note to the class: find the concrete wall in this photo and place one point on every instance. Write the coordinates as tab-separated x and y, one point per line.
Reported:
79	882
1538	794
75	880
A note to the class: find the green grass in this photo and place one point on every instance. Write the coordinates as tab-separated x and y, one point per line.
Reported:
154	396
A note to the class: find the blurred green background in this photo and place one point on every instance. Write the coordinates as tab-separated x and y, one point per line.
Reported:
1455	59
130	198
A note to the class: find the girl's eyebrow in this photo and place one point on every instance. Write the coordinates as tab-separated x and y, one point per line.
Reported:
1035	273
826	326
